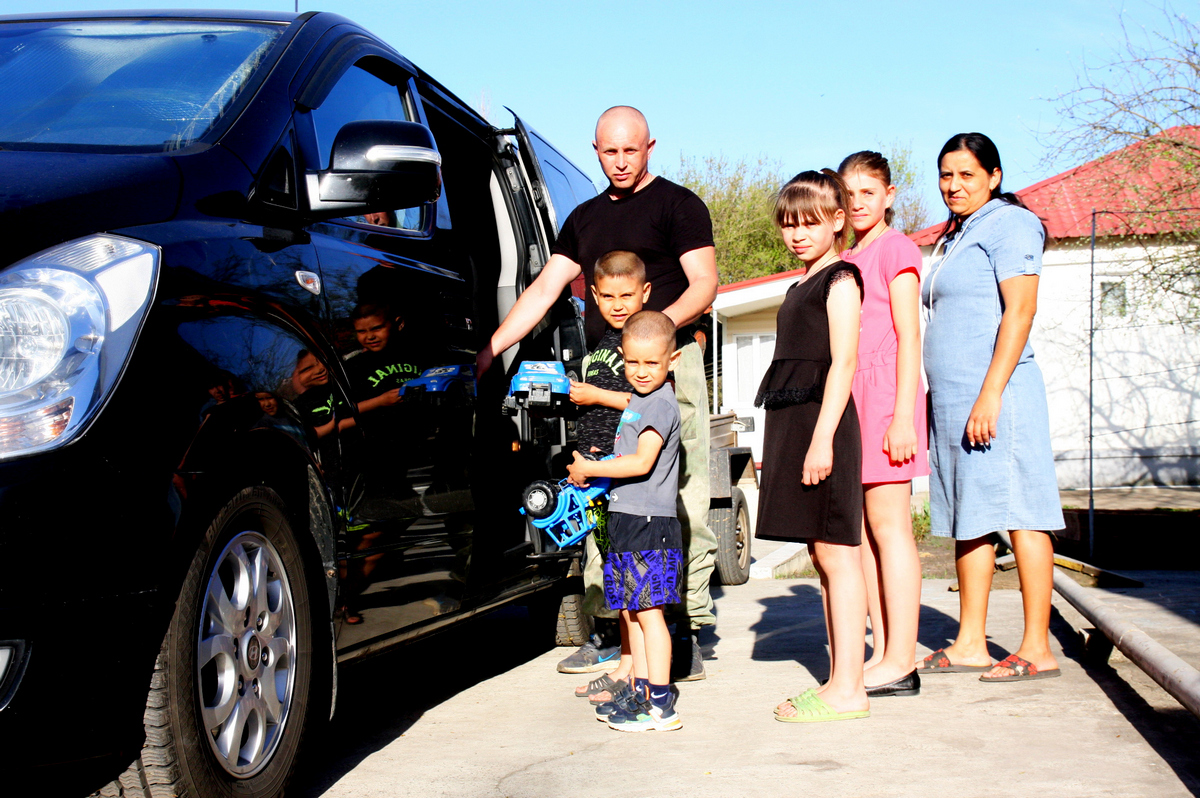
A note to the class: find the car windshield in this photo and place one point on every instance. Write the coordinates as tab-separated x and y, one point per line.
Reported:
122	85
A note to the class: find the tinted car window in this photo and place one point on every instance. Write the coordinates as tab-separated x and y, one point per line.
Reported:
360	95
144	85
567	185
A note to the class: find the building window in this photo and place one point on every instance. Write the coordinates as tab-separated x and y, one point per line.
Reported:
754	355
1112	300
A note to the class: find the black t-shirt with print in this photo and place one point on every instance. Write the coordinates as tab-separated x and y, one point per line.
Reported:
373	373
659	223
604	368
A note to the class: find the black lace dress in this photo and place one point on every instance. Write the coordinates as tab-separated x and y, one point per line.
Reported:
791	392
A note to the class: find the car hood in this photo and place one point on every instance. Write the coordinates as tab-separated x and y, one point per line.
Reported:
50	197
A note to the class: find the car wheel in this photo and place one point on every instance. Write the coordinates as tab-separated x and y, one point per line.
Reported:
732	528
574	626
233	695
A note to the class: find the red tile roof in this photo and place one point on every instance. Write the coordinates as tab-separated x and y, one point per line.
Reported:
1141	177
793	273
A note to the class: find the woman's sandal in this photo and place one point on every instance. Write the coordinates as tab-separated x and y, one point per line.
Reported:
1023	671
938	662
811	708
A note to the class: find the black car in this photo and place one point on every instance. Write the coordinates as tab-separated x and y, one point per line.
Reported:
248	261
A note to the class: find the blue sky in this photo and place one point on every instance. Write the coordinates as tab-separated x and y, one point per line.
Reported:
800	83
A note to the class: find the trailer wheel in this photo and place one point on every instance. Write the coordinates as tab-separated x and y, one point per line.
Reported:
573	626
732	527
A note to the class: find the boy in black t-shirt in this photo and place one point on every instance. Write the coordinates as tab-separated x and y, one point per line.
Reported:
619	289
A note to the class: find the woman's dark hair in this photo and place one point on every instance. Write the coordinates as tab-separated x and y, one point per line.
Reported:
815	197
984	150
873	164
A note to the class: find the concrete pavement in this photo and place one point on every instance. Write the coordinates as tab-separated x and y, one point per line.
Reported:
481	712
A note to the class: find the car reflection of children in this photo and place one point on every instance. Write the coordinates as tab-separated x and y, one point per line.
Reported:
222	388
273	416
315	401
379	370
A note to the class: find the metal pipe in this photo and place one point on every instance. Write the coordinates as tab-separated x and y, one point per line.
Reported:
716	358
1173	674
1091	398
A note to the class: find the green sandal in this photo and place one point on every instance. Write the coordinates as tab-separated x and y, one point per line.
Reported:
815	710
800	700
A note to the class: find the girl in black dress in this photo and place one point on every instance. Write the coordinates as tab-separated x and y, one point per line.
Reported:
812	461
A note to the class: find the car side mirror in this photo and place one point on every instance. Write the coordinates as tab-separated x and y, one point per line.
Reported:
376	165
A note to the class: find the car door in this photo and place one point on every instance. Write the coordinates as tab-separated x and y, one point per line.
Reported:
398	326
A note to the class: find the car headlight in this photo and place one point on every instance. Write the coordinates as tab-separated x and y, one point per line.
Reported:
69	316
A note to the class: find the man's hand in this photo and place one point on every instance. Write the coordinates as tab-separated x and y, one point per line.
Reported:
483	360
577	470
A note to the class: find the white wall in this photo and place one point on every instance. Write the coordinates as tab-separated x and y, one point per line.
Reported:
742	372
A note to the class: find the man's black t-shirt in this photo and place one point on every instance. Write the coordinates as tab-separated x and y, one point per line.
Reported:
659	223
604	368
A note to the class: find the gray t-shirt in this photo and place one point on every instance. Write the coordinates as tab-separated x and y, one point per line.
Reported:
654	493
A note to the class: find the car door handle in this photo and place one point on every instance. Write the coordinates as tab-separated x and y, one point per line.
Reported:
309	281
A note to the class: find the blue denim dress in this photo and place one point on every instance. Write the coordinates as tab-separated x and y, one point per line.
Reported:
1010	484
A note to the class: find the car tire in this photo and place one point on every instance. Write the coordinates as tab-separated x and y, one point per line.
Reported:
228	672
731	525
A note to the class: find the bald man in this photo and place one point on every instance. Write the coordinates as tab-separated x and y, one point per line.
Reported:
669	227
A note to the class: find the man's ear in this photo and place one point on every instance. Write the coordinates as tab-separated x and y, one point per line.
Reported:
650	148
645	293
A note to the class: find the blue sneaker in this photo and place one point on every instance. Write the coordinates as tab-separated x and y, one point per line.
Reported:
624	697
647	716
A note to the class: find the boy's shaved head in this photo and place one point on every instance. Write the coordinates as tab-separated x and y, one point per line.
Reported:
650	326
620	263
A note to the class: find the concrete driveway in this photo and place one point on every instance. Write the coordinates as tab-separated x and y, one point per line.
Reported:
481	712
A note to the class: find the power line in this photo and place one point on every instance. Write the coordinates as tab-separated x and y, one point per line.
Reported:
1148	426
1147	373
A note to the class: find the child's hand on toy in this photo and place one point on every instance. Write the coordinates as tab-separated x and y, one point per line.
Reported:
584	394
576	470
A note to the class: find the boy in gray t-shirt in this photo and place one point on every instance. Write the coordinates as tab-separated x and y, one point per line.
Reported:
645	556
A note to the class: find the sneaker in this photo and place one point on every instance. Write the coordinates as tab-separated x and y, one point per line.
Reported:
687	663
591	657
648	716
624	697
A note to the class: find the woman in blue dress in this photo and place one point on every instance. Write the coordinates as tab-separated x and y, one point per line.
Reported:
989	444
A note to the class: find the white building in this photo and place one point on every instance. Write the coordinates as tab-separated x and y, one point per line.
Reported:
1145	364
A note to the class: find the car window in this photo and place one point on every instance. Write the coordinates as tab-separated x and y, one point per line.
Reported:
124	85
566	184
360	95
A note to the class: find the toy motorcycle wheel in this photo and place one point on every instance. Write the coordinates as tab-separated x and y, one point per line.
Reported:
540	499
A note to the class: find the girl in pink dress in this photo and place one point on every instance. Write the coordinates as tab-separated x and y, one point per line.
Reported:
890	399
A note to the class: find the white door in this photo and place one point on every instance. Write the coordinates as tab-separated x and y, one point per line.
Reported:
745	363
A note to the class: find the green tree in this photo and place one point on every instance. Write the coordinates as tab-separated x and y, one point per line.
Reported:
1136	113
741	198
911	211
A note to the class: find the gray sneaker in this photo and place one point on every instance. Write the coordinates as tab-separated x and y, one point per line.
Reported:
591	657
687	663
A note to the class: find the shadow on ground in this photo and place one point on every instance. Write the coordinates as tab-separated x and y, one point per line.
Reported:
1172	731
381	698
793	628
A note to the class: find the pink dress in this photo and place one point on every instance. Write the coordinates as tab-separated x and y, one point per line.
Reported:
874	387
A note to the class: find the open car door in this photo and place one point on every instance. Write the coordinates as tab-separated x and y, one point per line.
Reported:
558	184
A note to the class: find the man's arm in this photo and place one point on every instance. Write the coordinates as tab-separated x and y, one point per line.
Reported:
530	307
700	266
